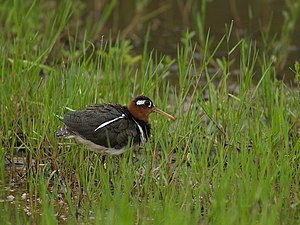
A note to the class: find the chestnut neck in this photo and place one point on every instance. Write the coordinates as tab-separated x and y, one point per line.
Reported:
139	112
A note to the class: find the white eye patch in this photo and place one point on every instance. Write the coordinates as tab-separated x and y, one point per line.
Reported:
140	102
143	102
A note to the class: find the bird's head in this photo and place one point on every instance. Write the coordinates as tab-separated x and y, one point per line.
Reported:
141	107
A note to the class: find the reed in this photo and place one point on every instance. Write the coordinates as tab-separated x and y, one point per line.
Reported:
231	157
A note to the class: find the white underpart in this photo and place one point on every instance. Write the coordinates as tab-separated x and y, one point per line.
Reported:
100	149
142	134
109	122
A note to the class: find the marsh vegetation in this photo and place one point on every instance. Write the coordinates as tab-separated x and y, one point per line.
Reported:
228	71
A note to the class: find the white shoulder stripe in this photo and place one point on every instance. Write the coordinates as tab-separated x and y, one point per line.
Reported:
109	122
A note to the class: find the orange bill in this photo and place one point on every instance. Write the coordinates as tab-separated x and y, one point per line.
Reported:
157	110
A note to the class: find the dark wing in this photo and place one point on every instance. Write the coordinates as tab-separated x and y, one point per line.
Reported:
106	125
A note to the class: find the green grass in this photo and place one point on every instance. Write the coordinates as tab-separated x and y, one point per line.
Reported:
230	159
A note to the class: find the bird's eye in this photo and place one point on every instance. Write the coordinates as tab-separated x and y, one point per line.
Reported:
148	103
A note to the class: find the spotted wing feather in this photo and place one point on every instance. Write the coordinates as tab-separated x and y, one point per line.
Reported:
114	135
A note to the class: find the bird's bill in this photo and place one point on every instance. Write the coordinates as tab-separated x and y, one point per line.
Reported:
157	110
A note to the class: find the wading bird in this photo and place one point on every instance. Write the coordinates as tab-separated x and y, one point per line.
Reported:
109	128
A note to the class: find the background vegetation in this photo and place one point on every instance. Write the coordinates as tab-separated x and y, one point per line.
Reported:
232	155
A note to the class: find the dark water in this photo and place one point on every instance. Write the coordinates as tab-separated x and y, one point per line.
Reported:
169	19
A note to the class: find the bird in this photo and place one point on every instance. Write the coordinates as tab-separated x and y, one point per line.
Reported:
110	128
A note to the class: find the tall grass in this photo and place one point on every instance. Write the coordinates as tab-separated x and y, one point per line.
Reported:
229	158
